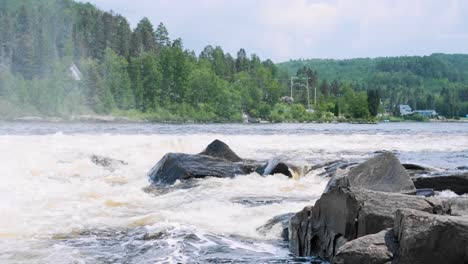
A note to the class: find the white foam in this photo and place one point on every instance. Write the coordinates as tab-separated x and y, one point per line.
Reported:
49	186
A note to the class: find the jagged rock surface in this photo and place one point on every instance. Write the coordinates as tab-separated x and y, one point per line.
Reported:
430	239
344	214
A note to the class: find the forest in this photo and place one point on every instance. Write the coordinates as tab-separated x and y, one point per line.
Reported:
438	81
61	58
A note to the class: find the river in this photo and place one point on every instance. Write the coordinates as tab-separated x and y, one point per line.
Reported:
57	206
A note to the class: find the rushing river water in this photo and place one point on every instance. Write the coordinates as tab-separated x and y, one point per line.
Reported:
57	206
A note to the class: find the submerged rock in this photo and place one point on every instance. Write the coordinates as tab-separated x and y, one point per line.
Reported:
383	173
282	221
107	162
456	183
379	248
430	239
344	214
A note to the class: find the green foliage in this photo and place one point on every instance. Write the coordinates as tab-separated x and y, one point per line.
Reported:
438	81
122	71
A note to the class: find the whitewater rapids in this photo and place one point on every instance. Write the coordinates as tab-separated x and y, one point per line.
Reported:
57	206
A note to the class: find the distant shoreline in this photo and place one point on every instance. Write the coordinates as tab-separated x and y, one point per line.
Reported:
123	119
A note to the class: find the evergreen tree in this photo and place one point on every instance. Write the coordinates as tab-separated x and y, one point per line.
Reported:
373	101
162	36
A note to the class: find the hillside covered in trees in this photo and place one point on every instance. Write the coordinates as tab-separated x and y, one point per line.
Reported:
62	58
120	70
438	81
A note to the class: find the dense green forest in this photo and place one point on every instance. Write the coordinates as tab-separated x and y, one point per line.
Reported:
438	81
62	58
138	72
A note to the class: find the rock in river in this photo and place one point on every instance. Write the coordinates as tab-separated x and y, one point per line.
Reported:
217	160
179	166
344	214
219	149
456	183
383	173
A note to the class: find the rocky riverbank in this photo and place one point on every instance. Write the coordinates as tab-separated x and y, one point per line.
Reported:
376	212
371	215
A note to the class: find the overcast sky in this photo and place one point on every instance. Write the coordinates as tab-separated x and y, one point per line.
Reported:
291	29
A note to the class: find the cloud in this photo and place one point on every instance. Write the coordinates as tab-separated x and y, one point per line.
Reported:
282	30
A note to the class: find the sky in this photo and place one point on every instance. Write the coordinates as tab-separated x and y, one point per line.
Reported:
292	29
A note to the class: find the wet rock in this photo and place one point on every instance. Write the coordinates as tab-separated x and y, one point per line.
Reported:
427	238
410	166
383	173
344	214
219	149
282	221
179	166
379	248
425	192
217	160
333	167
456	183
276	166
107	162
416	169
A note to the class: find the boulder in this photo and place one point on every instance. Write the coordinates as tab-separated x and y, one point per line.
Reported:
379	248
456	183
279	221
344	214
276	166
179	166
426	238
217	160
383	173
219	149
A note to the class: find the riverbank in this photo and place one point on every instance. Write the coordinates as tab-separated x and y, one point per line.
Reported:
143	119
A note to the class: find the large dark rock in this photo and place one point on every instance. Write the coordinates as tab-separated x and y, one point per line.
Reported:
430	239
281	221
217	160
379	248
456	183
179	166
344	214
219	149
383	173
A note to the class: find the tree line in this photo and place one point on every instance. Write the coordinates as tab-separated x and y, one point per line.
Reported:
436	82
140	71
